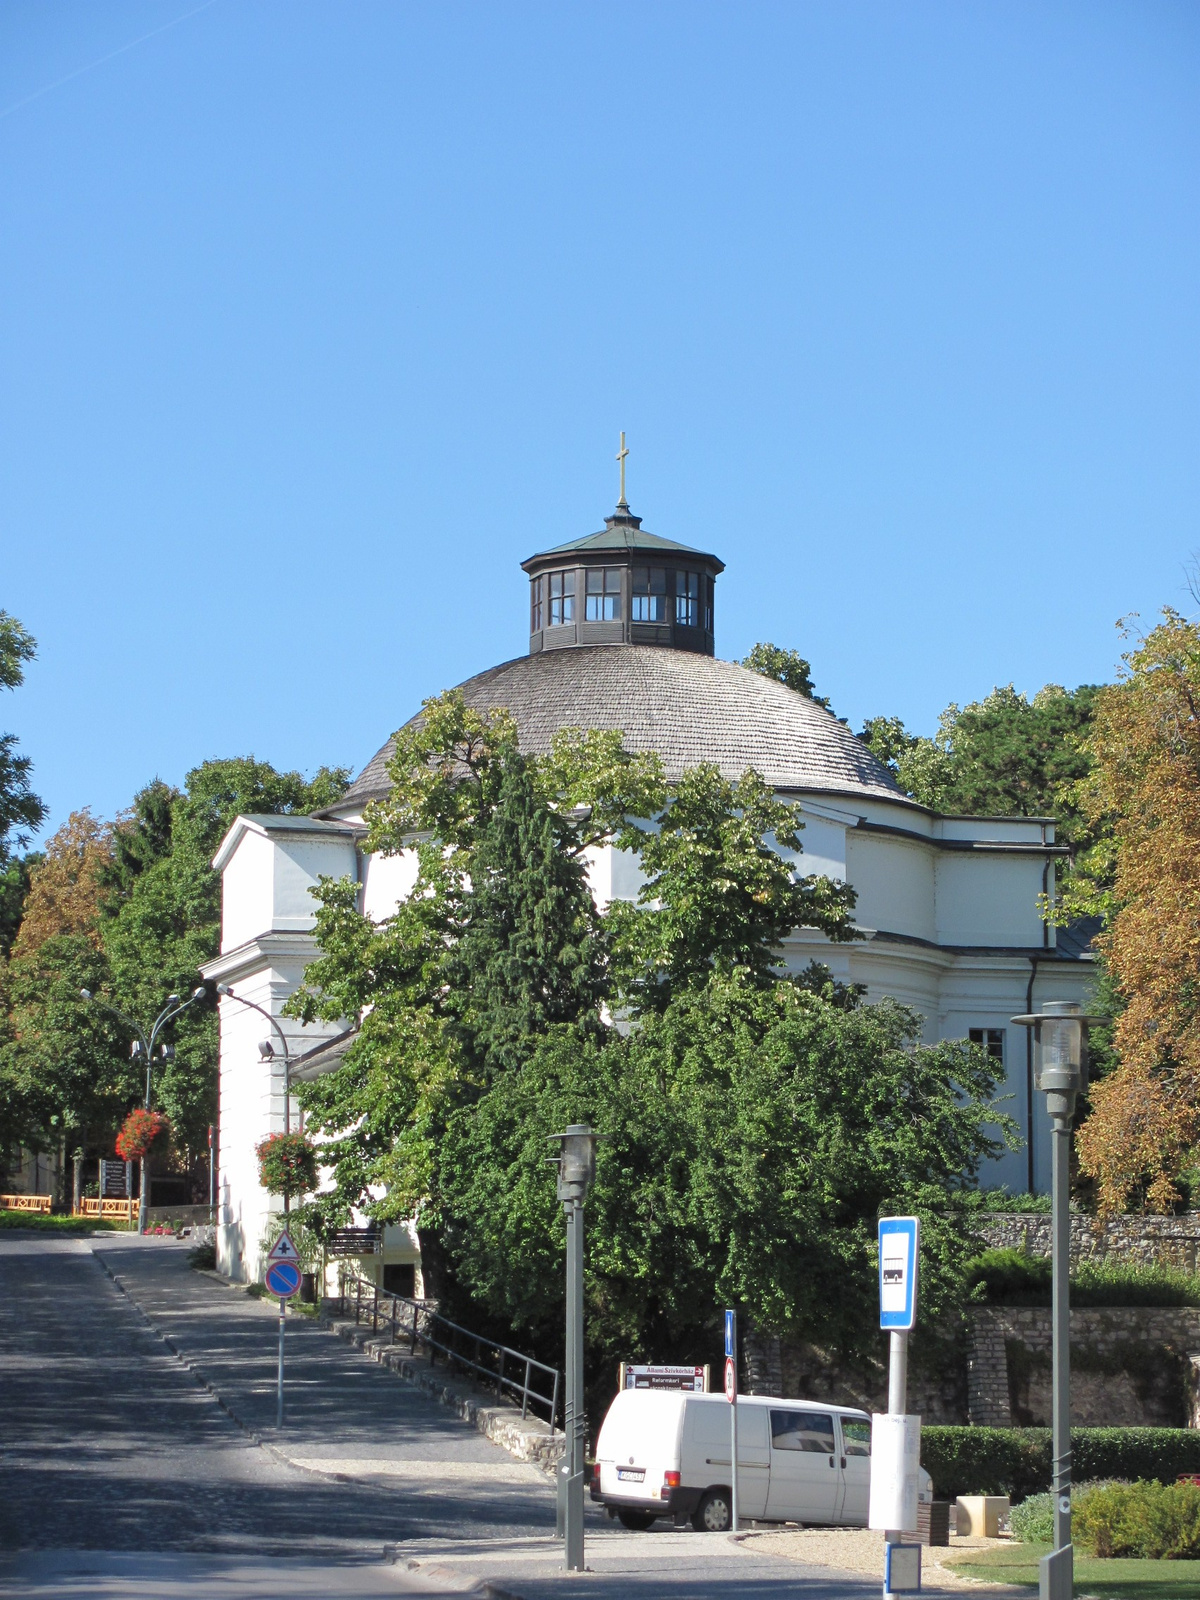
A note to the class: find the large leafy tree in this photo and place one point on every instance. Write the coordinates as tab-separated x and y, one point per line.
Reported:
1005	755
21	812
784	666
1141	798
755	1133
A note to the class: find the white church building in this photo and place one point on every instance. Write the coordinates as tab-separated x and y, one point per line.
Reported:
621	636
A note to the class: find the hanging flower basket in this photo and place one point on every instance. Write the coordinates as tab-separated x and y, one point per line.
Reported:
287	1164
139	1132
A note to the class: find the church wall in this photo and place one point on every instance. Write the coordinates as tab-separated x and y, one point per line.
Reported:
299	864
386	881
894	880
246	890
988	899
824	847
251	1107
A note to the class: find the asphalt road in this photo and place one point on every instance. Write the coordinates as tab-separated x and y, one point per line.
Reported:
123	1478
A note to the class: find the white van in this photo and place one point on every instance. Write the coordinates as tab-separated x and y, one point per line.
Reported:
664	1454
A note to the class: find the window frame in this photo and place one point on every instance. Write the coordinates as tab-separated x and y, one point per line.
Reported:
653	599
606	597
564	600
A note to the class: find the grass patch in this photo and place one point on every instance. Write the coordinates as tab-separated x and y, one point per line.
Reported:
1108	1580
39	1222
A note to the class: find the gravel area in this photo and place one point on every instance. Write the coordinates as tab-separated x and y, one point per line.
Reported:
861	1550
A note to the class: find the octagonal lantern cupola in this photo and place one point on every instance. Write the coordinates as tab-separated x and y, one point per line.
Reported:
622	586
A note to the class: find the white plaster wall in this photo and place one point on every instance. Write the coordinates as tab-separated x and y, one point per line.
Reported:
299	864
988	899
247	890
386	881
894	880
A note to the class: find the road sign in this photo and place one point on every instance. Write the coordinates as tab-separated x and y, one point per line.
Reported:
694	1379
283	1279
898	1241
283	1249
730	1380
730	1334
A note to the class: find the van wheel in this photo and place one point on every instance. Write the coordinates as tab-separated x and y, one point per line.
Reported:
635	1519
713	1514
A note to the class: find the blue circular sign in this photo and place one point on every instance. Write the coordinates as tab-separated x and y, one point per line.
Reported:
283	1279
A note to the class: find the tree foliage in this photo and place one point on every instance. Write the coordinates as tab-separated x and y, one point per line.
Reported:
757	1123
66	886
1142	798
784	666
1004	755
21	812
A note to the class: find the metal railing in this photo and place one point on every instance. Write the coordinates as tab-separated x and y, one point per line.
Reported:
418	1322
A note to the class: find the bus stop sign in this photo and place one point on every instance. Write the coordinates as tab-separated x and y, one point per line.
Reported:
898	1241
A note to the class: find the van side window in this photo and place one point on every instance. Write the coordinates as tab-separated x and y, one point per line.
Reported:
857	1434
802	1430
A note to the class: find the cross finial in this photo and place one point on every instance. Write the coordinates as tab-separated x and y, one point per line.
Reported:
622	503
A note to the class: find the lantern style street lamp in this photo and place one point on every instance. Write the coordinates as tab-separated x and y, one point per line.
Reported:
143	1049
576	1163
1060	1039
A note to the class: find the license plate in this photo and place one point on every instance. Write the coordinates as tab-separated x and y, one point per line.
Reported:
631	1474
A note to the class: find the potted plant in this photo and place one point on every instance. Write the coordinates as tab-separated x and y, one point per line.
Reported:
287	1164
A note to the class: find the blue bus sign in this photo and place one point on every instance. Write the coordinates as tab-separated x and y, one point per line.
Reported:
899	1238
731	1336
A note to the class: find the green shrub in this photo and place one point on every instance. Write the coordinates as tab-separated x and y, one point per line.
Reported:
1016	1461
1033	1520
1011	1278
1001	1200
204	1258
1158	1521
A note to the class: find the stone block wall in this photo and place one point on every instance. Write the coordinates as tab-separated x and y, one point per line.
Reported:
1136	1241
937	1386
1131	1366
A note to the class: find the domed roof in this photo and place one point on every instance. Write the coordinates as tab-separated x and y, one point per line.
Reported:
688	707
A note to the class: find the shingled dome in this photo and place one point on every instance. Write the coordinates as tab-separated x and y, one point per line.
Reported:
688	707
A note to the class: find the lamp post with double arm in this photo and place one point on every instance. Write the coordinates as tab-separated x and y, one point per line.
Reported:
144	1041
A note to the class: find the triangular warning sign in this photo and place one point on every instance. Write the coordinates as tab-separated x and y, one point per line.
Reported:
283	1249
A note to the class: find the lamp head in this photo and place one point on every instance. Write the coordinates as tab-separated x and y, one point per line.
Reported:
576	1160
266	1049
223	988
1060	1057
85	994
172	999
199	992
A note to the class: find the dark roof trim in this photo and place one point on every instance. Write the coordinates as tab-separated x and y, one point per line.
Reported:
1023	951
1003	847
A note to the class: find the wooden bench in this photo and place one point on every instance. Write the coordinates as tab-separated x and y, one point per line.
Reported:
27	1202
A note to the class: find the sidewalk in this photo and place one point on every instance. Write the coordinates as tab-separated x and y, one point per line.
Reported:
345	1417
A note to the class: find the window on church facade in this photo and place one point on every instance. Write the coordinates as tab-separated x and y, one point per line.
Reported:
562	598
603	594
687	599
535	606
649	594
991	1039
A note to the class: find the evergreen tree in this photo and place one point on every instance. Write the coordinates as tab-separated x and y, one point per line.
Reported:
531	953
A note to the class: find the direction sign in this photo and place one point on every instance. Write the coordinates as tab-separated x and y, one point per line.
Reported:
898	1241
648	1377
283	1249
730	1380
730	1334
283	1279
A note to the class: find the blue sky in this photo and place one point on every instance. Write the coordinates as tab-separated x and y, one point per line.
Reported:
316	319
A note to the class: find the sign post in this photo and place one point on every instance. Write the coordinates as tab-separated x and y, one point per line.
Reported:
731	1396
896	1437
282	1280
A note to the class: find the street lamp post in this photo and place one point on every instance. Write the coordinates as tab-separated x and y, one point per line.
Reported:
143	1048
1060	1036
576	1172
267	1051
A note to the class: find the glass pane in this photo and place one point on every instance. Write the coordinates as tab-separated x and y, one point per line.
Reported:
856	1434
802	1430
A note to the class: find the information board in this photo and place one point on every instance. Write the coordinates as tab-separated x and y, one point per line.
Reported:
693	1379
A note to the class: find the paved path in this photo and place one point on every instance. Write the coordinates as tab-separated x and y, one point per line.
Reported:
122	1478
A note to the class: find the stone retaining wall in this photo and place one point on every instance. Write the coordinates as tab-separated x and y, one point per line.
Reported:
1131	1366
1140	1241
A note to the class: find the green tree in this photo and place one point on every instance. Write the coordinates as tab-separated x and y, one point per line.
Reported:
1004	755
21	812
15	878
786	667
755	1134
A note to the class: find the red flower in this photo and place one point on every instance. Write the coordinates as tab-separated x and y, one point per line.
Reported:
138	1132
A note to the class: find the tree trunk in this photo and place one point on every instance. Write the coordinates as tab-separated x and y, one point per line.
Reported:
435	1266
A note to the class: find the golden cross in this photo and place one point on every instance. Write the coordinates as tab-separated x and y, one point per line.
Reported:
621	454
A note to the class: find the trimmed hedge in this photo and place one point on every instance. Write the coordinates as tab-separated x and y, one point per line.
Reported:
1016	1461
1011	1278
